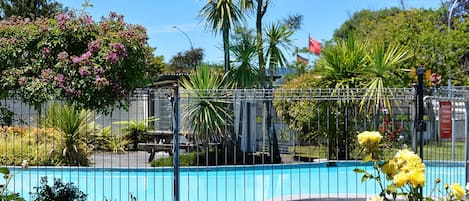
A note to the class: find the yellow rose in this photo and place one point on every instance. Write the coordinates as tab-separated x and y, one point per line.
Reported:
401	179
375	198
369	139
390	169
417	177
457	191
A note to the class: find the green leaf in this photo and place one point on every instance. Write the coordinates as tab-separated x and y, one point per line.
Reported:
367	158
4	170
364	178
358	170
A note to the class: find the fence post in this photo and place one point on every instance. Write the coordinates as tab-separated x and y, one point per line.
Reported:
466	132
420	110
175	101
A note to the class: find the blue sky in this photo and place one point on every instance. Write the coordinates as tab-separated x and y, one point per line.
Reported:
321	18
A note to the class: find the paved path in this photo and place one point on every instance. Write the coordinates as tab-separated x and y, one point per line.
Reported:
129	159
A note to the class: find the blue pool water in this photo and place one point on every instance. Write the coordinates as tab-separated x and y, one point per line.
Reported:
247	183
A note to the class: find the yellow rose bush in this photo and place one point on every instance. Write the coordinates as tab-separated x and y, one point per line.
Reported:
403	175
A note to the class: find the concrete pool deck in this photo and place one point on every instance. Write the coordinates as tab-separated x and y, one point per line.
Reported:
137	159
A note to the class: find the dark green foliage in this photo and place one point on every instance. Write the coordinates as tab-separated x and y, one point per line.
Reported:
188	60
75	126
60	191
434	45
188	159
6	116
28	8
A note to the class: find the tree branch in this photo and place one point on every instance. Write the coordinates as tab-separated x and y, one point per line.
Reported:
264	7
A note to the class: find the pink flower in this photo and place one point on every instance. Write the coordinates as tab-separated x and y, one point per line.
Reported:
118	48
86	56
62	20
62	56
60	80
112	57
101	82
22	81
45	51
76	60
83	71
86	20
93	46
47	74
98	70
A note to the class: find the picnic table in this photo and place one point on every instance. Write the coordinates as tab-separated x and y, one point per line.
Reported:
163	141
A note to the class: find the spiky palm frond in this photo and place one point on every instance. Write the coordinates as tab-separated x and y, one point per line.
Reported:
278	39
205	115
383	61
244	51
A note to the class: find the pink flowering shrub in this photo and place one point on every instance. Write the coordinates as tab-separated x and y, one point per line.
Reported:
90	64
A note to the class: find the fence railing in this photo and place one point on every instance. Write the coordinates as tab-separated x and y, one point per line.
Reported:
250	144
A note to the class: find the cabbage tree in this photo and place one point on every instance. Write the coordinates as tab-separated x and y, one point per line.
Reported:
205	115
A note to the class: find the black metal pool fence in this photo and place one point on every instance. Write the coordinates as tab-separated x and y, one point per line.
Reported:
243	144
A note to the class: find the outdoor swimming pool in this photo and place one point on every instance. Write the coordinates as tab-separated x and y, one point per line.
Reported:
226	183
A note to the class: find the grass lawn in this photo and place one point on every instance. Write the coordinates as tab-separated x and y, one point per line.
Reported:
443	150
431	151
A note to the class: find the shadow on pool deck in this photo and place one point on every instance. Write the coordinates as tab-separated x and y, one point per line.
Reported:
137	159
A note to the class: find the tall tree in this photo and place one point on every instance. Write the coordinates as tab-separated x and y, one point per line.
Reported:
28	8
278	40
188	60
222	15
243	48
260	7
340	66
426	31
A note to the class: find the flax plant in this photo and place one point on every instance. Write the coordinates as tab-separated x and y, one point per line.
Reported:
383	61
206	115
75	127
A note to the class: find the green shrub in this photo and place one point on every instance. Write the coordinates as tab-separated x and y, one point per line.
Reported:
60	191
37	146
106	140
75	127
133	130
188	159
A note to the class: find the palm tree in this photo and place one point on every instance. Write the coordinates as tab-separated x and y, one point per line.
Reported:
342	63
244	51
261	8
222	15
340	66
383	62
205	115
278	40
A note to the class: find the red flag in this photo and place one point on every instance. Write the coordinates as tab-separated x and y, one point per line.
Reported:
301	59
314	46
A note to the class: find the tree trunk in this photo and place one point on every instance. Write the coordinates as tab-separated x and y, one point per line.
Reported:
226	49
260	48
